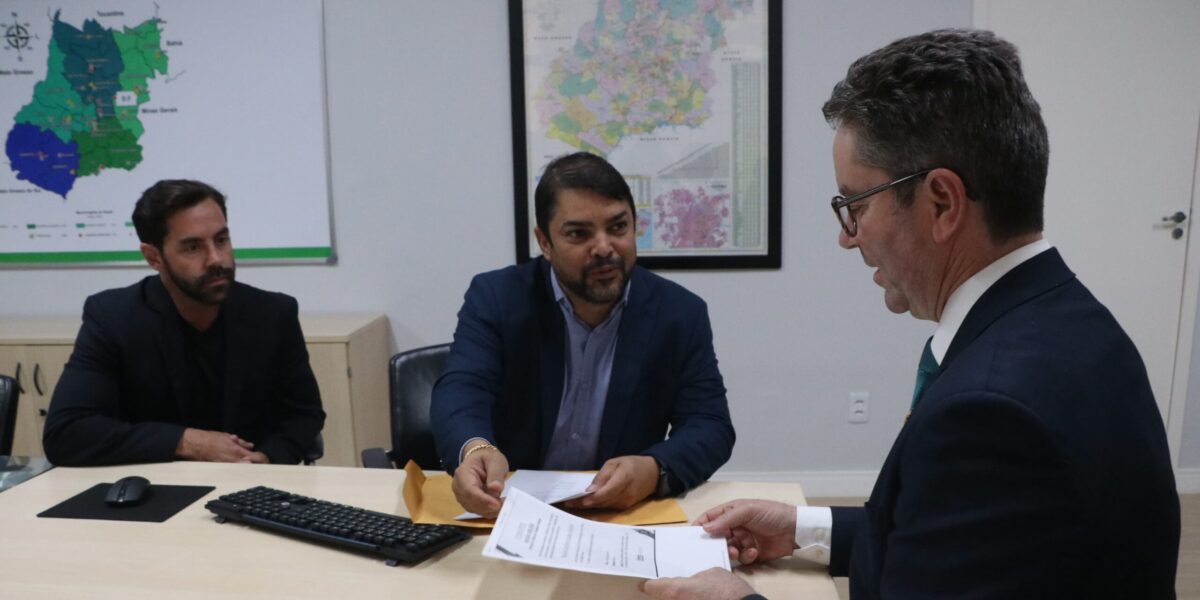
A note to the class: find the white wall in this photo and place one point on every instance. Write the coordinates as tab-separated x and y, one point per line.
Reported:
420	141
1189	449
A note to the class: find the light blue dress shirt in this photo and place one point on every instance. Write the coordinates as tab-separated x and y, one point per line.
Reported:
588	368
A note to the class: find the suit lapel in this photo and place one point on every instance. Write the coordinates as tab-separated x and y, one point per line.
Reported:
551	342
170	342
633	341
1026	281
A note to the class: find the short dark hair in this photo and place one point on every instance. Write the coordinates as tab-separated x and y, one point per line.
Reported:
166	198
578	171
955	99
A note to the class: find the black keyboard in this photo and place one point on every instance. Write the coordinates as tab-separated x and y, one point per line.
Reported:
396	538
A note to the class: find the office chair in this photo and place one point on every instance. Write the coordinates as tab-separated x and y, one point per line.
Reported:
9	393
411	376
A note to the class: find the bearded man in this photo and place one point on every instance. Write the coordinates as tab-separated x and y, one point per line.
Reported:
187	364
581	360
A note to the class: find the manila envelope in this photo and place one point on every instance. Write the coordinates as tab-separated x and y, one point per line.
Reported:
431	501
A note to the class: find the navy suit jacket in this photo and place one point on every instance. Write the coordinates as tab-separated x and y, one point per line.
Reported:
125	387
504	376
1034	466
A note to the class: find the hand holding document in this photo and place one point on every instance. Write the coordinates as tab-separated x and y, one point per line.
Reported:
431	501
550	487
533	532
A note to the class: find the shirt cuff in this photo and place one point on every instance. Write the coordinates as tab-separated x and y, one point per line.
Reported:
814	533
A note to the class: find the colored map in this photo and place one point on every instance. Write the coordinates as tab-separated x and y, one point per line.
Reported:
638	66
83	117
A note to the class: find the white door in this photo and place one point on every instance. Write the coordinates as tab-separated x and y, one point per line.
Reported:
1119	87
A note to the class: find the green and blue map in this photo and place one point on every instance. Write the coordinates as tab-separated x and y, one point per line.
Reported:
83	117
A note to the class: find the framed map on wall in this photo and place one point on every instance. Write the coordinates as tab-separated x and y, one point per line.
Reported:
681	96
100	99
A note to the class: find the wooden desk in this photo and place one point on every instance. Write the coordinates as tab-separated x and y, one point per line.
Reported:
190	555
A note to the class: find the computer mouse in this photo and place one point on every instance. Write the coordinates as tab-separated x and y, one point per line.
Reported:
128	491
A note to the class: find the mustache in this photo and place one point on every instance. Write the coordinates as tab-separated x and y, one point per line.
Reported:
217	272
600	263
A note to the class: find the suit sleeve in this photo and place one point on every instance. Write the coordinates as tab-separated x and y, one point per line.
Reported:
987	508
83	426
842	532
461	405
701	436
296	413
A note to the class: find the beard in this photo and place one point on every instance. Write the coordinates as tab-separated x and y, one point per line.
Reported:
198	289
597	292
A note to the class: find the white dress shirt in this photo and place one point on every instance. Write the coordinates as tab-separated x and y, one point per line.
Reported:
814	524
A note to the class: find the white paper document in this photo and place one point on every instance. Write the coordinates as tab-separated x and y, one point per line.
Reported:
533	532
550	487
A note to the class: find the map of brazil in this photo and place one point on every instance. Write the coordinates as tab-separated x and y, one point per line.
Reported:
83	116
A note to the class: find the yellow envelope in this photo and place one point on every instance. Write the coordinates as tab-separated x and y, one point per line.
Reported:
430	500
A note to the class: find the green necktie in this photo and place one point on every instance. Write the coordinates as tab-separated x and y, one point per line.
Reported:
927	371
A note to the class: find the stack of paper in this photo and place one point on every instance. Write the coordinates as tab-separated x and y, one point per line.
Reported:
431	501
550	487
533	532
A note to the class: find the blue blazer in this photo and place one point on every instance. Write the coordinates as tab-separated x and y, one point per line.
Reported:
124	393
1034	466
504	376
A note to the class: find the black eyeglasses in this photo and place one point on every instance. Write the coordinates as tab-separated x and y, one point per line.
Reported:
841	204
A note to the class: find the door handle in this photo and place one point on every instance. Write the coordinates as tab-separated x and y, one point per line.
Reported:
17	376
37	385
1174	223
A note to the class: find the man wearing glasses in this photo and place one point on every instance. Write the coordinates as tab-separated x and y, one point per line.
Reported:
1034	463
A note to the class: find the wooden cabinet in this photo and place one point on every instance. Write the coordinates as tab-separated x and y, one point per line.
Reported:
34	351
348	354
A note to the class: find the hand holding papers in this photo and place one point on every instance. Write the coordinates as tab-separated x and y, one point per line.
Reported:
430	501
533	532
550	487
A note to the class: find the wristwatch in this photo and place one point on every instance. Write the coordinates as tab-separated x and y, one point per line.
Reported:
664	481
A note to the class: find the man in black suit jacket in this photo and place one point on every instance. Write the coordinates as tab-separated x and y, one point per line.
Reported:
187	364
1034	463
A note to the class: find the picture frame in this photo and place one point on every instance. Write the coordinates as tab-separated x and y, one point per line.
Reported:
684	101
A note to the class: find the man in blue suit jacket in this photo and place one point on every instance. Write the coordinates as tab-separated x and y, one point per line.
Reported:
581	360
1034	463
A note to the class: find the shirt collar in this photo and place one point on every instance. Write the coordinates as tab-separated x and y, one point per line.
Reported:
964	298
565	303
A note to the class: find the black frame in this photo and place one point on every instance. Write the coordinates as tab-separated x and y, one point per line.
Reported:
770	260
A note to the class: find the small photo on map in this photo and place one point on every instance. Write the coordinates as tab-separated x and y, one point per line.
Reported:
692	216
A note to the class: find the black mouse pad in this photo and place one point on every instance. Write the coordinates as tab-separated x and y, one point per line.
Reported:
161	504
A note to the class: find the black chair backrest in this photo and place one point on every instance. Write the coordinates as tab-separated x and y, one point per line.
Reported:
8	413
411	376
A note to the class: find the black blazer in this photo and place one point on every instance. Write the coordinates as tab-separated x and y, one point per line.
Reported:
121	395
504	376
1035	465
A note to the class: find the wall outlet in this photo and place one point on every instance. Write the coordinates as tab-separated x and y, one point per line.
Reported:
860	407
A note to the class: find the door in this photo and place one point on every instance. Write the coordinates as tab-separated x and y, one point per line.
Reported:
1119	87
